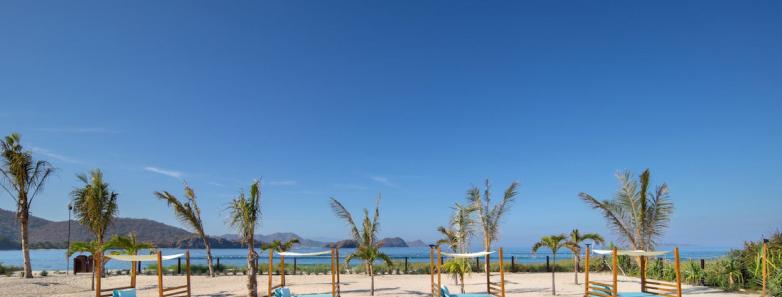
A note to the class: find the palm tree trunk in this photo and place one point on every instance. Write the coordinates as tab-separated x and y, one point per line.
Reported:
24	216
252	281
208	256
462	282
553	273
575	267
488	265
372	277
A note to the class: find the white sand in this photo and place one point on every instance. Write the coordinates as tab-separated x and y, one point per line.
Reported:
517	284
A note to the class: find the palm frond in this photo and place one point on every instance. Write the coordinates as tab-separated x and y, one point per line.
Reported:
344	214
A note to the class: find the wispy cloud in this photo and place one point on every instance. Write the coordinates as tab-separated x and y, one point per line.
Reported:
78	130
350	187
216	184
283	183
54	155
171	173
383	180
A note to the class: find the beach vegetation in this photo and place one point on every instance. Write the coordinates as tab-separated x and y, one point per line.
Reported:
368	249
490	216
574	245
189	214
245	214
553	243
456	236
95	207
23	178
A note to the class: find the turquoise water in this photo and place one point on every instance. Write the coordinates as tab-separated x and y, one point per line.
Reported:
56	260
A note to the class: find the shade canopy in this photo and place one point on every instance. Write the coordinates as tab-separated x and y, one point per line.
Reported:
468	255
142	258
294	254
634	253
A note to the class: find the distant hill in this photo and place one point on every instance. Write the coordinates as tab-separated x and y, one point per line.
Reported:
51	234
417	243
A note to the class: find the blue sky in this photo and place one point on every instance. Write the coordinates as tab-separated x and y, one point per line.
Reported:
417	100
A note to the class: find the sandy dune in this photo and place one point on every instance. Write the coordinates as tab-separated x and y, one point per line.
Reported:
517	284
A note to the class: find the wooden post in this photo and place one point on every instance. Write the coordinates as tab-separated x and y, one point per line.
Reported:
187	270
477	264
133	274
98	271
678	272
502	275
282	270
512	263
160	274
703	267
333	275
218	264
586	272
765	267
339	271
271	267
431	270
178	266
615	267
294	265
642	272
439	279
405	265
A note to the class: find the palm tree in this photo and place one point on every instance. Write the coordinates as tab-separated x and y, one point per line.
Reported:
636	213
95	207
575	240
130	245
490	217
368	248
245	214
554	243
279	246
93	248
189	214
457	237
22	178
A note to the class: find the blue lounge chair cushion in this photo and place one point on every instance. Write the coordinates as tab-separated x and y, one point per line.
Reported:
124	293
636	294
471	295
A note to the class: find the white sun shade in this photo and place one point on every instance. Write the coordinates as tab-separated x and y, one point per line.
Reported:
142	258
294	254
468	255
634	253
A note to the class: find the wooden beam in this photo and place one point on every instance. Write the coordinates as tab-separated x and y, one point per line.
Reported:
271	267
439	279
282	272
339	271
431	269
586	272
333	275
615	267
502	275
187	269
160	274
678	272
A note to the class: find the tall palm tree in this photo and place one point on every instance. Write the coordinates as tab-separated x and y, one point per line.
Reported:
489	216
22	178
130	245
189	214
638	214
368	248
575	240
279	246
457	237
95	207
245	212
554	243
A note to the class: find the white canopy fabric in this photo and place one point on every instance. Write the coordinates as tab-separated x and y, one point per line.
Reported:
468	255
294	254
634	253
142	258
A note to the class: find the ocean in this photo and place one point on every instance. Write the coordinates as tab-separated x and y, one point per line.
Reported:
55	259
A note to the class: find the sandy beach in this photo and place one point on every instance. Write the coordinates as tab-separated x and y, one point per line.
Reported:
517	284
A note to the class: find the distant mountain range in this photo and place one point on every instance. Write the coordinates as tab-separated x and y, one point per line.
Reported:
46	234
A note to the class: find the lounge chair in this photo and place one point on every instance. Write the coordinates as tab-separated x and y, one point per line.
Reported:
445	293
124	293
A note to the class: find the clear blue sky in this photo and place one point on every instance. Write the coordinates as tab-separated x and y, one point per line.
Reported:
415	99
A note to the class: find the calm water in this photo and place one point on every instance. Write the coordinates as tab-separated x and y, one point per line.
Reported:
56	260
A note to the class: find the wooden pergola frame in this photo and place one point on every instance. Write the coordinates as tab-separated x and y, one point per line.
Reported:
494	289
653	287
335	290
181	291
